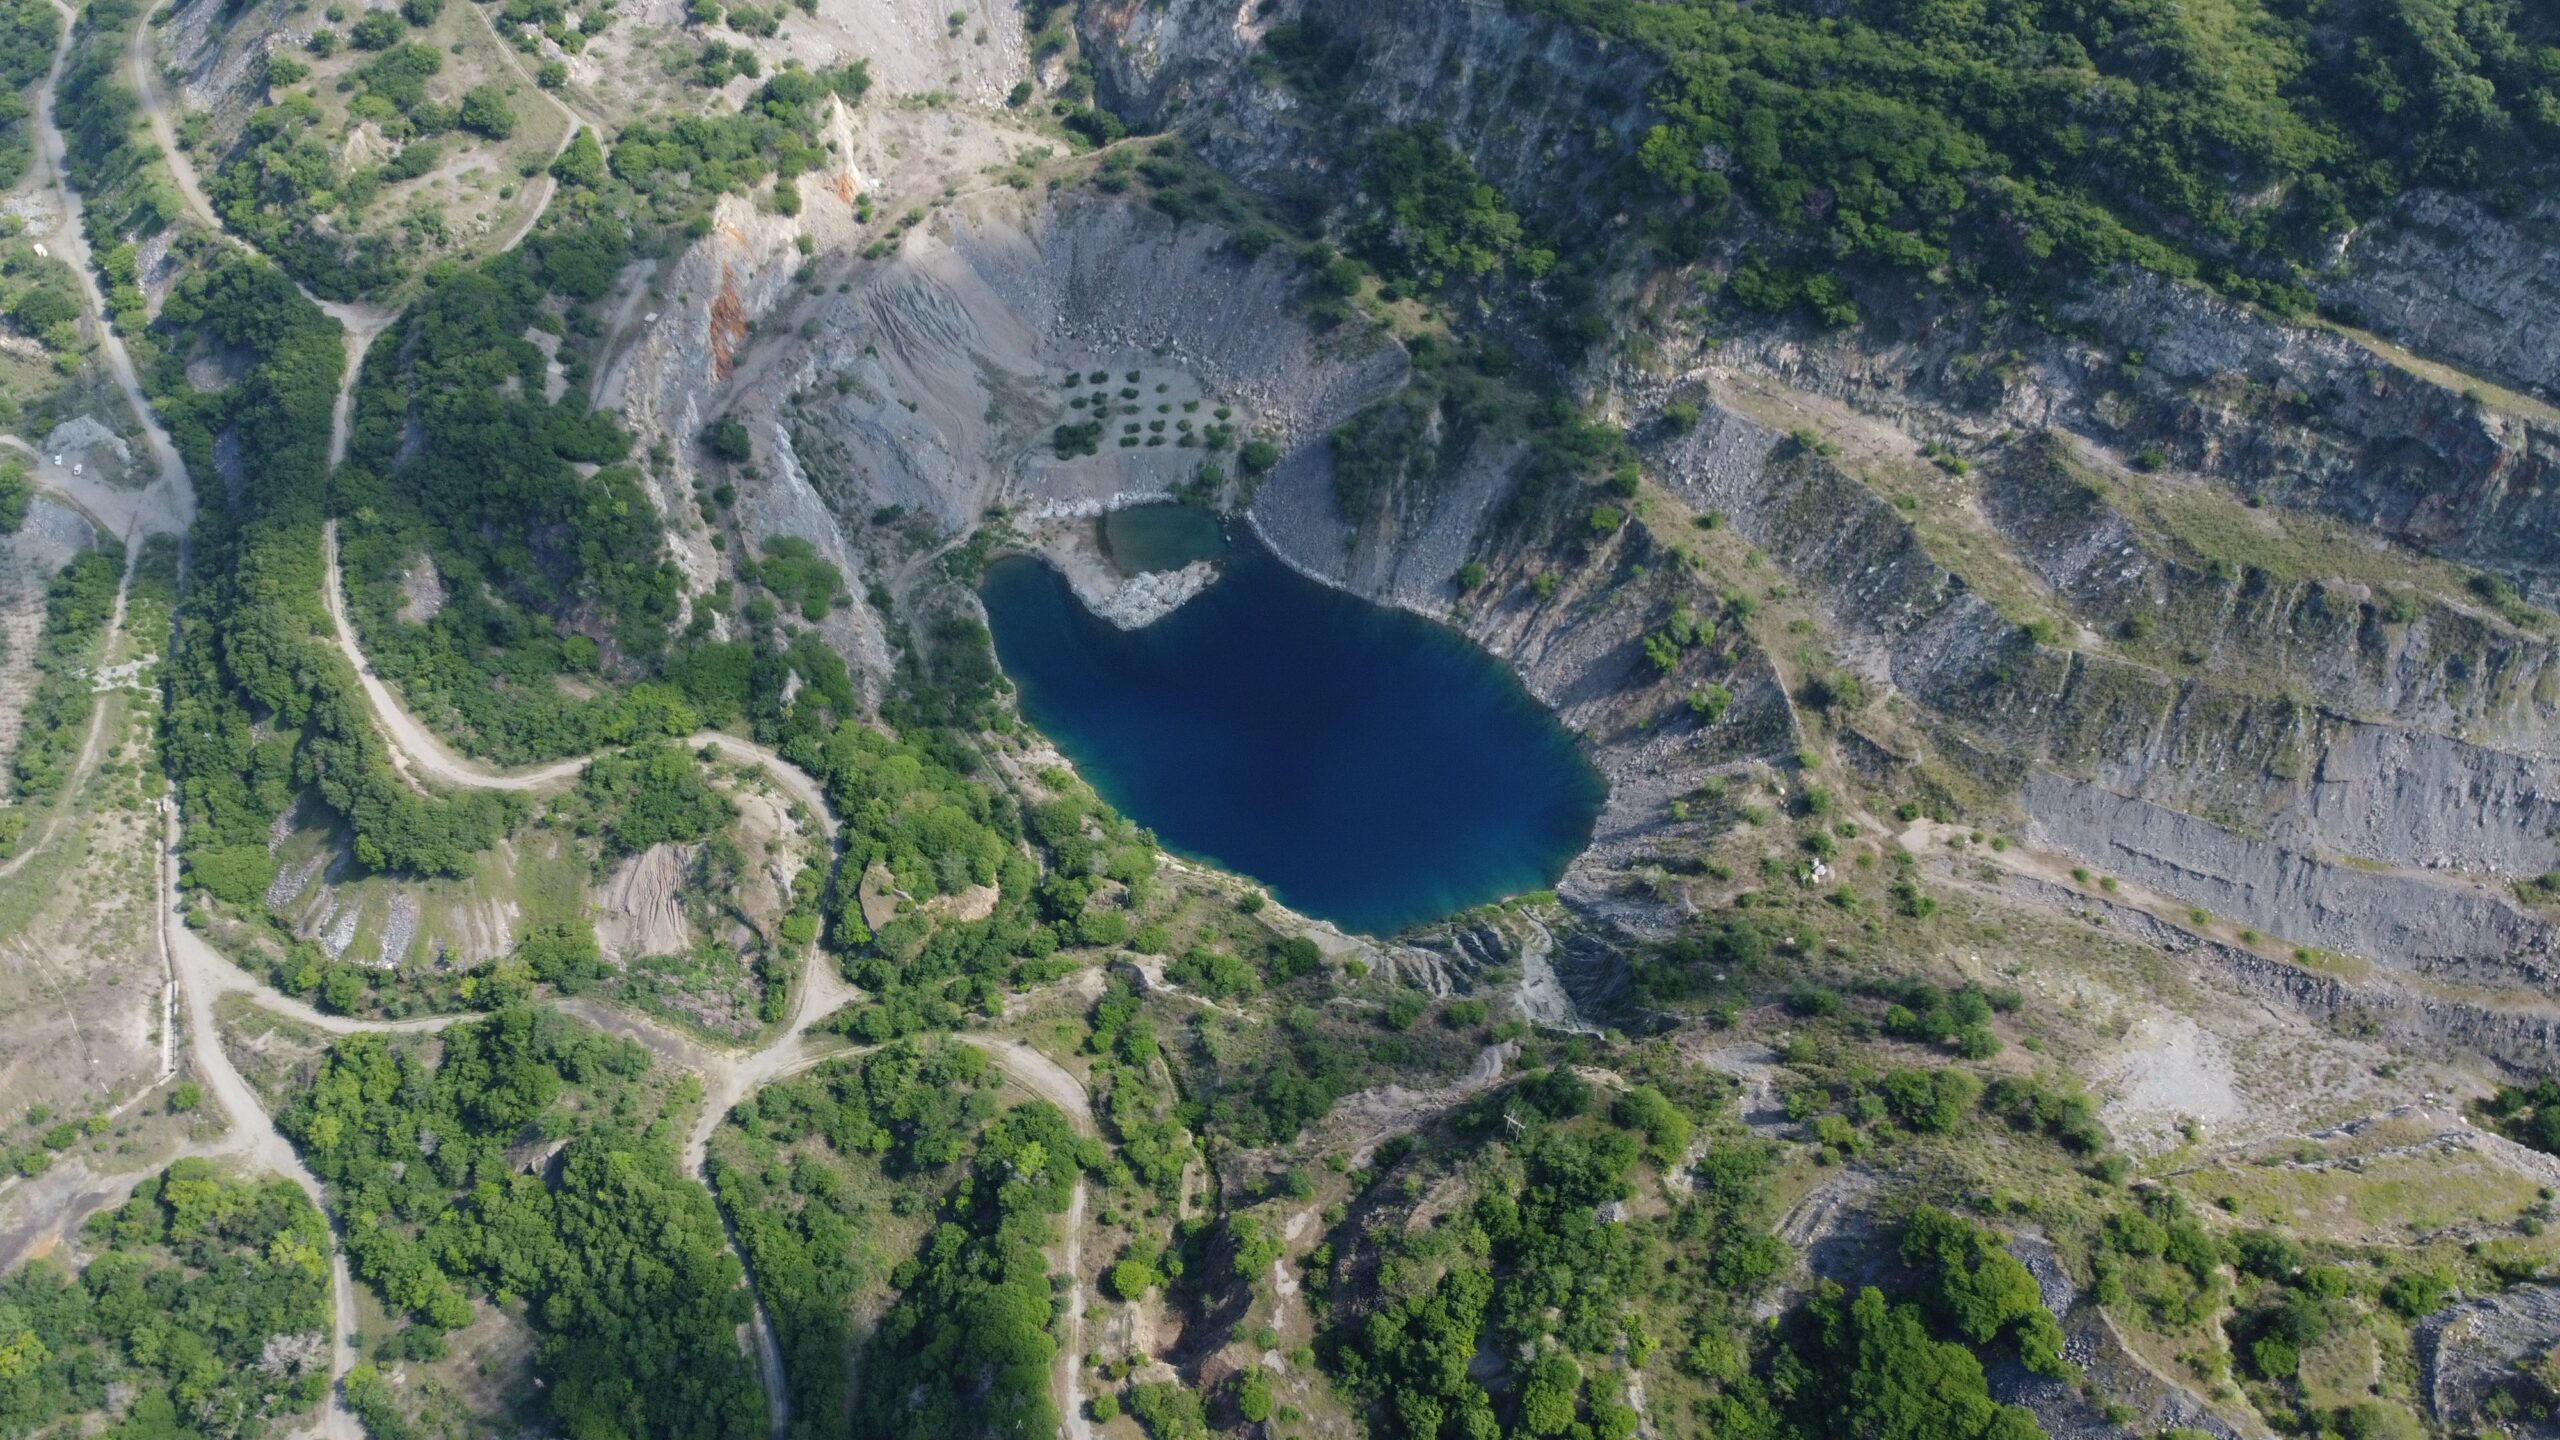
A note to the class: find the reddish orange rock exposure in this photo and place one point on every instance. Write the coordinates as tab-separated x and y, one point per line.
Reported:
728	324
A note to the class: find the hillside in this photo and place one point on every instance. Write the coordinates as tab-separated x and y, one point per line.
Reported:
2041	517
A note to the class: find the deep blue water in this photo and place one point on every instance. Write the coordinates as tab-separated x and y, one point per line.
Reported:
1368	766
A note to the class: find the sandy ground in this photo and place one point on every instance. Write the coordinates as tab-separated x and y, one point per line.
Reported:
2168	1071
638	910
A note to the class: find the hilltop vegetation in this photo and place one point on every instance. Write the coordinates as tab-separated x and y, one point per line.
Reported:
910	1142
204	1306
614	1256
1992	143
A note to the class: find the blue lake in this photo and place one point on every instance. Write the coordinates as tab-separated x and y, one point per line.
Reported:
1370	767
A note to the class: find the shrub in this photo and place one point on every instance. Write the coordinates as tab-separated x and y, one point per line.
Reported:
1168	1411
1253	1396
1666	1128
376	30
2412	1294
728	439
1132	1278
1931	1102
485	112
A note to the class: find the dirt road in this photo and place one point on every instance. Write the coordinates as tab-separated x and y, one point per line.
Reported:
203	978
71	243
203	975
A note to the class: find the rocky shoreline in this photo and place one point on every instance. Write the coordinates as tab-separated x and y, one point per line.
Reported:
1142	600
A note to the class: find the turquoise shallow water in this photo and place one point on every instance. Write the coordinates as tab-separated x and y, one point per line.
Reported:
1141	538
1368	766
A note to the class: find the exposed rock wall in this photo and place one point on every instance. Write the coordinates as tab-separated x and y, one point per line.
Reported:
2468	1350
2406	656
2311	419
1518	93
2523	1036
2448	277
941	369
2458	929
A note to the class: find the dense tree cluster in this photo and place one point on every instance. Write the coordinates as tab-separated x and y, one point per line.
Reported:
914	1111
1431	218
204	1310
249	648
2000	135
459	460
1138	1109
29	29
1865	1365
617	1257
272	188
968	1348
1539	1272
2530	1113
1544	1270
40	296
15	492
647	795
690	159
907	807
798	576
77	605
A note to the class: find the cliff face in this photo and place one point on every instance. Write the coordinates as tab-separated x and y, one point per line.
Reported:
1528	99
2184	592
2206	612
2451	278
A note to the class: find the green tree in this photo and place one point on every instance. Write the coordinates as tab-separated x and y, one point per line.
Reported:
485	111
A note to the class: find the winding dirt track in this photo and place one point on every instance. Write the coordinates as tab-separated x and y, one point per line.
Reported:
728	1077
71	239
204	975
251	1135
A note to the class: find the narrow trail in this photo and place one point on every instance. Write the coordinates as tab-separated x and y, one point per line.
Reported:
203	975
568	136
83	764
728	1077
1071	1362
71	244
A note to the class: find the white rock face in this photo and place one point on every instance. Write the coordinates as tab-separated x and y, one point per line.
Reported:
1141	602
